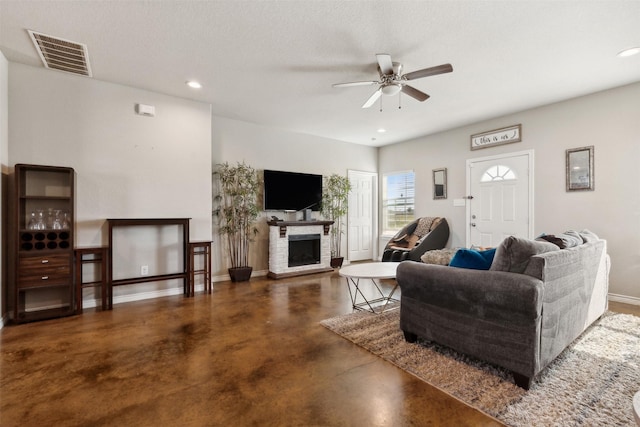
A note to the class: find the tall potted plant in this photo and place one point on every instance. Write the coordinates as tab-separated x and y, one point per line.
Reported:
237	212
335	196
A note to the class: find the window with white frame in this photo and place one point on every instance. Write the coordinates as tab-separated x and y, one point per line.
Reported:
398	200
498	173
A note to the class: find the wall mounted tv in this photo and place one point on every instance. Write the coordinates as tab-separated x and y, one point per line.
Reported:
291	191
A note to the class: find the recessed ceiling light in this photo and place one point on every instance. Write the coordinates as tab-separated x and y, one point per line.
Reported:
629	52
382	130
194	84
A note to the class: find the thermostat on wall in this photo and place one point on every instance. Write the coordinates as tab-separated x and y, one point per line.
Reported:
146	110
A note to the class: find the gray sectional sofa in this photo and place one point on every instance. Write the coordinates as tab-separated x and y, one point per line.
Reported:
521	314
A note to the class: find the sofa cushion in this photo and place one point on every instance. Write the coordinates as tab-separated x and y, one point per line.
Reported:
589	236
471	258
568	239
438	256
513	253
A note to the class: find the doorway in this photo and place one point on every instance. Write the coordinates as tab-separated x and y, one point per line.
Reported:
362	216
500	198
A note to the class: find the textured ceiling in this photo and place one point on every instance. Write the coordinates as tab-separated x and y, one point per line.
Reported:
273	62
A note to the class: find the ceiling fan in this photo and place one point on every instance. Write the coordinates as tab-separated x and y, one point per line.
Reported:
392	81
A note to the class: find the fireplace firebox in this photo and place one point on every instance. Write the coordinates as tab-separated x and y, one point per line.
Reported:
304	249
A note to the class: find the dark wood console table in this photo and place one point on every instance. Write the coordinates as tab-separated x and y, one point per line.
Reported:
133	222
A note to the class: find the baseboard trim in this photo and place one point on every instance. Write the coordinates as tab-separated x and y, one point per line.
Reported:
624	299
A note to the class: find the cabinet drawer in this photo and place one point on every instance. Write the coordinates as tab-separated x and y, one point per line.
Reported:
52	261
53	270
44	280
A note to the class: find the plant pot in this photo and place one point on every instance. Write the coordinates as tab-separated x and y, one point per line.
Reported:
337	262
240	274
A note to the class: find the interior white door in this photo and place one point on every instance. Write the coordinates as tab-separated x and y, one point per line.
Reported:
361	216
500	198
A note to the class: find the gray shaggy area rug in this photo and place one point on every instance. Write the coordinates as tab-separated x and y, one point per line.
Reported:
591	383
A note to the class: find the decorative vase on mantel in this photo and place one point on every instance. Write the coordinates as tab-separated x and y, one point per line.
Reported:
240	274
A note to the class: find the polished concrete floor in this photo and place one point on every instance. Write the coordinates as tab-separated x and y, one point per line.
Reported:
249	354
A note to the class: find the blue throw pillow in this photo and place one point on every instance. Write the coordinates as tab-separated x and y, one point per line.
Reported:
470	258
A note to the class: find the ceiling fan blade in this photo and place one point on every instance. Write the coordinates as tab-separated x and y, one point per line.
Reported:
355	84
384	61
426	72
372	99
415	93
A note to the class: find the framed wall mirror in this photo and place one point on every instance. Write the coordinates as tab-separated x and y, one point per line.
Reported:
580	169
440	183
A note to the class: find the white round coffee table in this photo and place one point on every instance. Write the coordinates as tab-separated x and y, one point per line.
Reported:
636	407
372	271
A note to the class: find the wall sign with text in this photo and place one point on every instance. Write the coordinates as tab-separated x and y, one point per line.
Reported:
496	137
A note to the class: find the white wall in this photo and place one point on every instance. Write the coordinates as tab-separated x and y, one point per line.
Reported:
269	148
608	120
4	159
127	165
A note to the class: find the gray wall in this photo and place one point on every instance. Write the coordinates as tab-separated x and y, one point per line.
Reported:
268	148
127	165
608	120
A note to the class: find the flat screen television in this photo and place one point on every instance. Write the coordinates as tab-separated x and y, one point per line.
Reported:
291	191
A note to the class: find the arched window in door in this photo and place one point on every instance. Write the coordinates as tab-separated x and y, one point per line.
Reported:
498	173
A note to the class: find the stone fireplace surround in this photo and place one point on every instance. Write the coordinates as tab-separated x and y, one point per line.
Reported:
279	232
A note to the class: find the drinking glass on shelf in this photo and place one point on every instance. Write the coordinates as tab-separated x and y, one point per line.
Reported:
66	224
40	223
57	220
33	223
50	218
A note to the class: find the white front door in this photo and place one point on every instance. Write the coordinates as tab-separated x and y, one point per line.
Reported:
361	220
500	198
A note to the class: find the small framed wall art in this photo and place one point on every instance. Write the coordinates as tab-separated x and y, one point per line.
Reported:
440	183
579	169
496	137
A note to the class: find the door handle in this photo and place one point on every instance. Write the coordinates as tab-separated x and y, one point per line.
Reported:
473	224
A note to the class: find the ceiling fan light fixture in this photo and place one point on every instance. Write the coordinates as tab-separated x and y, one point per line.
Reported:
391	89
193	84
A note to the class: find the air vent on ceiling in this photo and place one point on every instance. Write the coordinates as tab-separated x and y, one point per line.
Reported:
61	54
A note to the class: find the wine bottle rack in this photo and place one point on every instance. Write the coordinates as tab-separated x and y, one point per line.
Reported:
44	240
